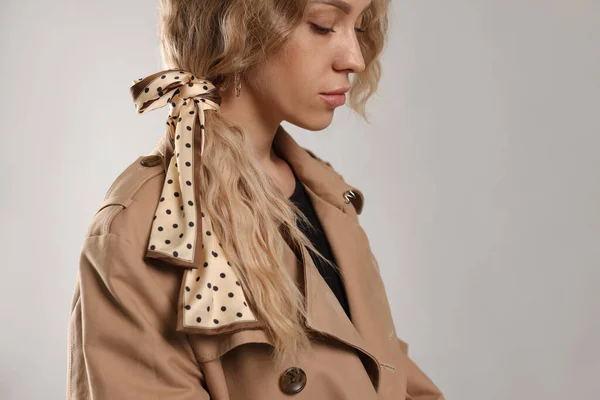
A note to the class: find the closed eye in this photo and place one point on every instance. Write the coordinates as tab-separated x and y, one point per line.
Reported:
323	30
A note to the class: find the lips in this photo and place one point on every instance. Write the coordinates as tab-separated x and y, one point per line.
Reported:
334	99
337	91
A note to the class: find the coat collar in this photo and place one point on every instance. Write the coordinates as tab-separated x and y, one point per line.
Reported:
337	212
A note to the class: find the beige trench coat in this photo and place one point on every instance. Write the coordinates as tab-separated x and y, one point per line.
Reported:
125	333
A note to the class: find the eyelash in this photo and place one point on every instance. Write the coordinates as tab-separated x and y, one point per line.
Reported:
323	31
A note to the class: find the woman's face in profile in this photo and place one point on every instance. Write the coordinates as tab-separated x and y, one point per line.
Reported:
322	52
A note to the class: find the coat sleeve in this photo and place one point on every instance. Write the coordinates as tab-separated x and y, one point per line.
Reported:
418	385
120	344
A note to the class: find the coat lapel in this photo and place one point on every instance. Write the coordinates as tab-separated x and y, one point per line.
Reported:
349	246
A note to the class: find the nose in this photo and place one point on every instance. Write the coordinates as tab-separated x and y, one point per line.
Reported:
349	55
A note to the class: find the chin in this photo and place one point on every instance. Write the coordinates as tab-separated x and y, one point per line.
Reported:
314	121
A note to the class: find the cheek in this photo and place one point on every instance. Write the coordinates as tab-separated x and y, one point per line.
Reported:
298	70
292	79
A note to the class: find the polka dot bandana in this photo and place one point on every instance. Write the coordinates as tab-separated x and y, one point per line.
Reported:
175	226
211	294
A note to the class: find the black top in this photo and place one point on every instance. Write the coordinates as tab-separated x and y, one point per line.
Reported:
319	240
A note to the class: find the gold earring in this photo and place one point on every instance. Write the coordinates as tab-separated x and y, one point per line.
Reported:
238	85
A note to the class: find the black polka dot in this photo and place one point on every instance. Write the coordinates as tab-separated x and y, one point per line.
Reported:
198	319
239	315
223	308
216	321
154	218
228	263
188	164
191	203
188	145
246	305
162	199
176	194
215	254
187	307
208	233
209	285
192	112
180	235
191	224
197	278
187	288
237	283
188	183
215	288
230	294
160	228
189	128
175	253
208	308
163	77
222	275
175	225
167	241
205	264
202	213
146	90
168	211
170	181
179	120
152	247
189	246
199	296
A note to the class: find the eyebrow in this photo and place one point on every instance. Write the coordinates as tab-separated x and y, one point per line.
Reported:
342	5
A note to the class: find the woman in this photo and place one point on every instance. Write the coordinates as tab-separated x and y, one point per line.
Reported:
230	263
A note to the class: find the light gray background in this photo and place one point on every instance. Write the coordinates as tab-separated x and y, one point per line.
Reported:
480	173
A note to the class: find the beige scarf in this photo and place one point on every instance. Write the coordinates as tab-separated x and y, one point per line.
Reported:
211	294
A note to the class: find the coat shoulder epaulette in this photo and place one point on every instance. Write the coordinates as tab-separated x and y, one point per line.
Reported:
122	192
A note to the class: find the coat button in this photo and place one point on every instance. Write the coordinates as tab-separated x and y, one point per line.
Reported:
292	380
151	160
349	196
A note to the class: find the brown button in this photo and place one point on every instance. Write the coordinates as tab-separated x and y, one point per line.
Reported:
356	198
151	160
292	380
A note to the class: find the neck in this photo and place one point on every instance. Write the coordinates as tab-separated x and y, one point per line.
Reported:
260	125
